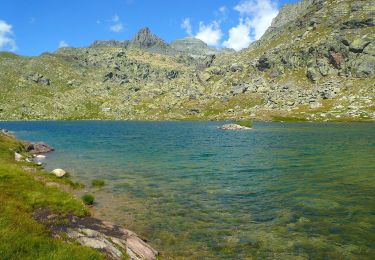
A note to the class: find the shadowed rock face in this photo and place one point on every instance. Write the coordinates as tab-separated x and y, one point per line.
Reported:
144	39
289	13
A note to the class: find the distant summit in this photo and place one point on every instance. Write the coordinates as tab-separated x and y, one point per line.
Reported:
146	40
192	46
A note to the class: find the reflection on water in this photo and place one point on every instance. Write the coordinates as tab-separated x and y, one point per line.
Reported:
282	190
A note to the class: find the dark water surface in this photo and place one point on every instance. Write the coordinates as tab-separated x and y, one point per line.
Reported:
280	191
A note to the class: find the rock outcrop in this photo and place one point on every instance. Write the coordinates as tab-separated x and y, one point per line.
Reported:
114	241
38	148
144	39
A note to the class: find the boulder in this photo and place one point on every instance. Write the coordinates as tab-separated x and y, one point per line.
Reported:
193	111
323	66
18	157
216	71
263	63
358	45
59	172
172	74
38	148
108	76
356	23
336	59
363	67
236	67
239	89
370	49
313	74
233	127
38	78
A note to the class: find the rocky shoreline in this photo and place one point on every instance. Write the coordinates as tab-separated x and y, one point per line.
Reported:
98	234
108	238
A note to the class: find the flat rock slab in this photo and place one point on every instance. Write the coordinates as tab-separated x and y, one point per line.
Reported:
113	240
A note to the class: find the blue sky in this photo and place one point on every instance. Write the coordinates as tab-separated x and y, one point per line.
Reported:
33	27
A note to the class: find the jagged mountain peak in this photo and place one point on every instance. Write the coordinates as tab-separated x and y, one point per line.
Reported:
145	39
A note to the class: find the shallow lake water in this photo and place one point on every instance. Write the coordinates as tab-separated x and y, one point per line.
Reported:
279	191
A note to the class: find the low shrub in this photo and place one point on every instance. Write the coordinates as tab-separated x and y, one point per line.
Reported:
97	183
88	199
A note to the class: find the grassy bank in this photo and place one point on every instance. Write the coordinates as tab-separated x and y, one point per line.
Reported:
21	192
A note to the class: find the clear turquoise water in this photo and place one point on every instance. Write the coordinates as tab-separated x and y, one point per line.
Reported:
280	191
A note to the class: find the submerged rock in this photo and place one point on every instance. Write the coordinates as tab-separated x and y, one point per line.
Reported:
38	148
234	127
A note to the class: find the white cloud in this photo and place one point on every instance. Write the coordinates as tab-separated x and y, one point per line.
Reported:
260	12
239	36
186	25
210	34
116	27
222	9
221	14
116	24
255	18
115	18
63	44
7	42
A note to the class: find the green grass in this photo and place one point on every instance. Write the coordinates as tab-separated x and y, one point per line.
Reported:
245	123
68	181
8	55
97	183
22	237
288	119
88	199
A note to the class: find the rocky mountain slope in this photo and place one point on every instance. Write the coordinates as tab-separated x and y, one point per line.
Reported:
316	62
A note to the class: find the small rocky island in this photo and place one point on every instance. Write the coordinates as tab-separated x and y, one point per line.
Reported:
234	127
